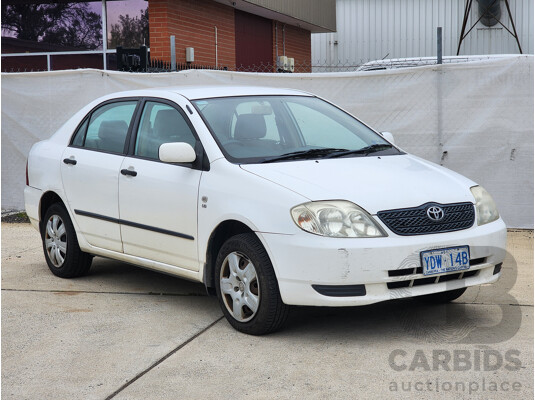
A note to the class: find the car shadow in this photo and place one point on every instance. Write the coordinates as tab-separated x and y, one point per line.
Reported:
408	320
122	277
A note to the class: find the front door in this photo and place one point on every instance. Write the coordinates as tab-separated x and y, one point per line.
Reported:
157	200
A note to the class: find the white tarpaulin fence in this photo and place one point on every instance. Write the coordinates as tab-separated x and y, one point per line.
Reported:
475	118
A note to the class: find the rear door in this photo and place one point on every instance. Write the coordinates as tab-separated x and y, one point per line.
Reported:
90	172
157	200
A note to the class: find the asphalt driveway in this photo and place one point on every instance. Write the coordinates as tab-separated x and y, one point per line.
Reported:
127	333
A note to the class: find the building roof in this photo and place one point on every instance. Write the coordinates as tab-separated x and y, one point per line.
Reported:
316	16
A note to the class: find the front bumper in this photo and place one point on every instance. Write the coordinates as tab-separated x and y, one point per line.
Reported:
303	260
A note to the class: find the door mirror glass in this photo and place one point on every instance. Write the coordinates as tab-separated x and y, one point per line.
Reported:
388	136
178	152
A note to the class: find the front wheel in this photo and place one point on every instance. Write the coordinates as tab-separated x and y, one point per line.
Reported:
247	287
62	253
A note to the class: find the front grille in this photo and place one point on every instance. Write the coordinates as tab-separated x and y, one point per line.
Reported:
420	270
431	279
497	269
414	221
415	277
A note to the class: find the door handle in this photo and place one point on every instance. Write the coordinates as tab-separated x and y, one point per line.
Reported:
128	172
69	161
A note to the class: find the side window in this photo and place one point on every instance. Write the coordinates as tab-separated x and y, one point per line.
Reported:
161	123
108	127
320	130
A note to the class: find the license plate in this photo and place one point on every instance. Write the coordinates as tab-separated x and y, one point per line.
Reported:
445	260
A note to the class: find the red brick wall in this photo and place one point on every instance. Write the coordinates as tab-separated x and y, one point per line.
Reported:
158	32
193	23
297	45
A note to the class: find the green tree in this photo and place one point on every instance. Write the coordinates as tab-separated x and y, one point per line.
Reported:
130	32
66	24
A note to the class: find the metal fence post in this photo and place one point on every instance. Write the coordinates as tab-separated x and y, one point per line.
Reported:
173	55
144	58
104	36
439	45
441	153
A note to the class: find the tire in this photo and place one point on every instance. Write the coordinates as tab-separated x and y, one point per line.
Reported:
247	287
442	297
60	245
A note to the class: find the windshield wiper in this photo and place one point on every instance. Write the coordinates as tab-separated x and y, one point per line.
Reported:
365	150
294	155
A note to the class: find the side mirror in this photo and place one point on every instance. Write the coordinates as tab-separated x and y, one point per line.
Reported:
178	152
388	136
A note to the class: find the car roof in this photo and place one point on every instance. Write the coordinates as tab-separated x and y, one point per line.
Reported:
205	92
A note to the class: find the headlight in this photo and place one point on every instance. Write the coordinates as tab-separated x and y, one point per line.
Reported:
485	207
335	218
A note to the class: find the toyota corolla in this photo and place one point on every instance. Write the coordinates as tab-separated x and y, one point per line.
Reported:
270	197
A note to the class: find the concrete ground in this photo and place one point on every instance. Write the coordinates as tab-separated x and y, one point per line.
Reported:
127	333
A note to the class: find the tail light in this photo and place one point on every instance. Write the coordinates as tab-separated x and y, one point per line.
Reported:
27	180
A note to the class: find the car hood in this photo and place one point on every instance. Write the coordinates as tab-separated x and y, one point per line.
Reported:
374	183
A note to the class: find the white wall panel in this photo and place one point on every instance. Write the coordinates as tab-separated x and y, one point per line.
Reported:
375	29
474	118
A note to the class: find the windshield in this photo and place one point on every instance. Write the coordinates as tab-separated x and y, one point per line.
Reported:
255	129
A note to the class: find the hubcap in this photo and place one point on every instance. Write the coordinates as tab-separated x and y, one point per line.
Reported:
239	287
56	240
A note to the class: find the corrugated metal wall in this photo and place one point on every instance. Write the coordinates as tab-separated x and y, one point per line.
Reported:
375	29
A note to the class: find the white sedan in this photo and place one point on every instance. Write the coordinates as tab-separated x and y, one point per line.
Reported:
270	197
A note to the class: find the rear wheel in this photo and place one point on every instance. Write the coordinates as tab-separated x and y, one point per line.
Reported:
247	287
442	297
60	245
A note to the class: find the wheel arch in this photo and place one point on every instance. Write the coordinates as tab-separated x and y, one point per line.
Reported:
47	199
220	234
